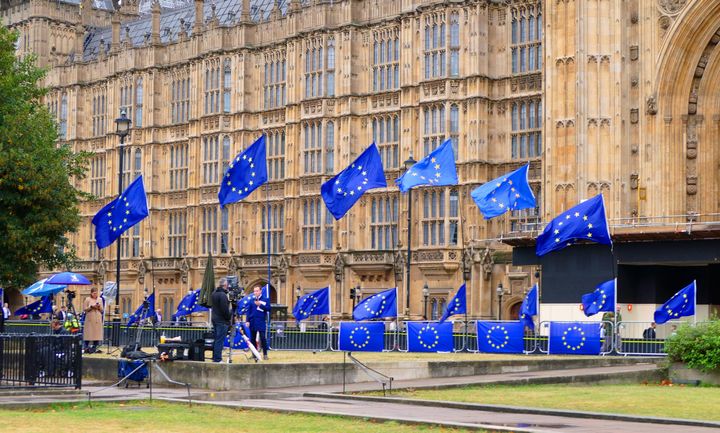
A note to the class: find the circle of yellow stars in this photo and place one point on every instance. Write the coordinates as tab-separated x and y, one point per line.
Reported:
567	217
677	312
570	346
252	174
124	220
381	307
430	180
367	337
504	336
305	312
427	329
351	191
603	300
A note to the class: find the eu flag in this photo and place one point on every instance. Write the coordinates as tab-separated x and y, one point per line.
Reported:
457	305
529	308
574	338
341	192
244	304
245	173
602	299
238	341
436	169
189	305
44	305
500	337
116	217
362	337
383	304
317	302
584	221
681	304
429	337
138	314
509	192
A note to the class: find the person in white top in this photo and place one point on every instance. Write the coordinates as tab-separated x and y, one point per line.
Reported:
6	311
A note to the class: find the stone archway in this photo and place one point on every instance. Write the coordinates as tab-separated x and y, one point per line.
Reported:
687	112
261	283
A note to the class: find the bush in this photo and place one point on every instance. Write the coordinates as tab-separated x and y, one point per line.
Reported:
698	346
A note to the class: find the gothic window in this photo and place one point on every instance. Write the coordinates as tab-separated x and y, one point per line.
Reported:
435	46
63	116
386	60
276	154
383	222
178	167
227	85
177	233
273	224
97	175
526	136
526	39
275	80
180	100
210	237
212	87
319	67
210	160
454	44
436	124
315	226
440	217
139	103
386	135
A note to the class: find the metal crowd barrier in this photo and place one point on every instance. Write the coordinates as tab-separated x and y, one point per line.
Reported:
39	361
471	343
607	343
309	336
635	338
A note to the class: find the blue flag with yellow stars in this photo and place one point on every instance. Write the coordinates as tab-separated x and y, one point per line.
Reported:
377	306
245	173
574	338
529	308
681	304
189	304
436	169
317	302
584	221
457	305
509	192
341	192
362	337
116	217
602	299
243	304
238	341
139	315
500	337
44	305
429	337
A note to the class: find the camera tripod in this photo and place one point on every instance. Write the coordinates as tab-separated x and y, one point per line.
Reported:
134	350
234	329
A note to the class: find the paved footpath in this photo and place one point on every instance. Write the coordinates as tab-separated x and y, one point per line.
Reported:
325	400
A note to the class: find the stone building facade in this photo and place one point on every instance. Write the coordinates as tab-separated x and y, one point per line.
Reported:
600	96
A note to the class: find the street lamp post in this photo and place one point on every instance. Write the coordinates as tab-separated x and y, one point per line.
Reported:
122	124
408	163
355	294
426	294
500	292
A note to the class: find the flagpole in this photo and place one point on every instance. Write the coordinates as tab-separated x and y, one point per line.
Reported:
462	256
269	257
695	302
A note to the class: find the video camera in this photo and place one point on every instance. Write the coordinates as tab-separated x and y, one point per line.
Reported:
70	294
235	291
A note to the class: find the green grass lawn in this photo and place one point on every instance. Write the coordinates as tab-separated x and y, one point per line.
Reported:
650	400
143	416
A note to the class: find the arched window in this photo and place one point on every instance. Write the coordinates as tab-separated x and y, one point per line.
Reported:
330	148
227	85
137	165
63	116
225	152
139	103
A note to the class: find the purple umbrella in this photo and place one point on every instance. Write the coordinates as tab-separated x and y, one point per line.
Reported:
69	278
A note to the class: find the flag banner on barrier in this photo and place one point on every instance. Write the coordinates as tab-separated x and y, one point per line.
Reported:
574	338
500	337
238	341
430	337
379	305
361	337
681	304
602	299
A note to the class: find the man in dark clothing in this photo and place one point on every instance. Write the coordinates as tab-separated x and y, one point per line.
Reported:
257	318
220	318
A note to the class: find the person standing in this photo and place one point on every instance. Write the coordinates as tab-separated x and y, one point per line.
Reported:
93	327
6	311
256	318
220	318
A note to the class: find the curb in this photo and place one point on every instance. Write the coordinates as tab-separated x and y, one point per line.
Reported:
519	409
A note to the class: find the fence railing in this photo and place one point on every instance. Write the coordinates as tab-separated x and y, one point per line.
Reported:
40	361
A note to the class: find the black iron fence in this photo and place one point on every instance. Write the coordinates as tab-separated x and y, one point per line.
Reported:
40	361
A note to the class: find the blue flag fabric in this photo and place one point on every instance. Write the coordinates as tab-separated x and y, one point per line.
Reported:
362	337
681	304
2	296
244	304
379	305
500	337
138	314
457	305
116	217
44	305
429	337
584	221
529	308
238	341
317	302
341	192
436	169
245	173
189	305
574	338
602	299
509	192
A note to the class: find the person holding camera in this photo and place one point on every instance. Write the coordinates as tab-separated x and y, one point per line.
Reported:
93	328
256	318
220	318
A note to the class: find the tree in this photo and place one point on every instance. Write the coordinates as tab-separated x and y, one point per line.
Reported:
38	202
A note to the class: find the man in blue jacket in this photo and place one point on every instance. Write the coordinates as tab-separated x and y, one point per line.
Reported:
257	318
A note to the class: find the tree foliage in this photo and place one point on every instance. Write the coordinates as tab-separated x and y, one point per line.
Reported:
697	346
38	202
